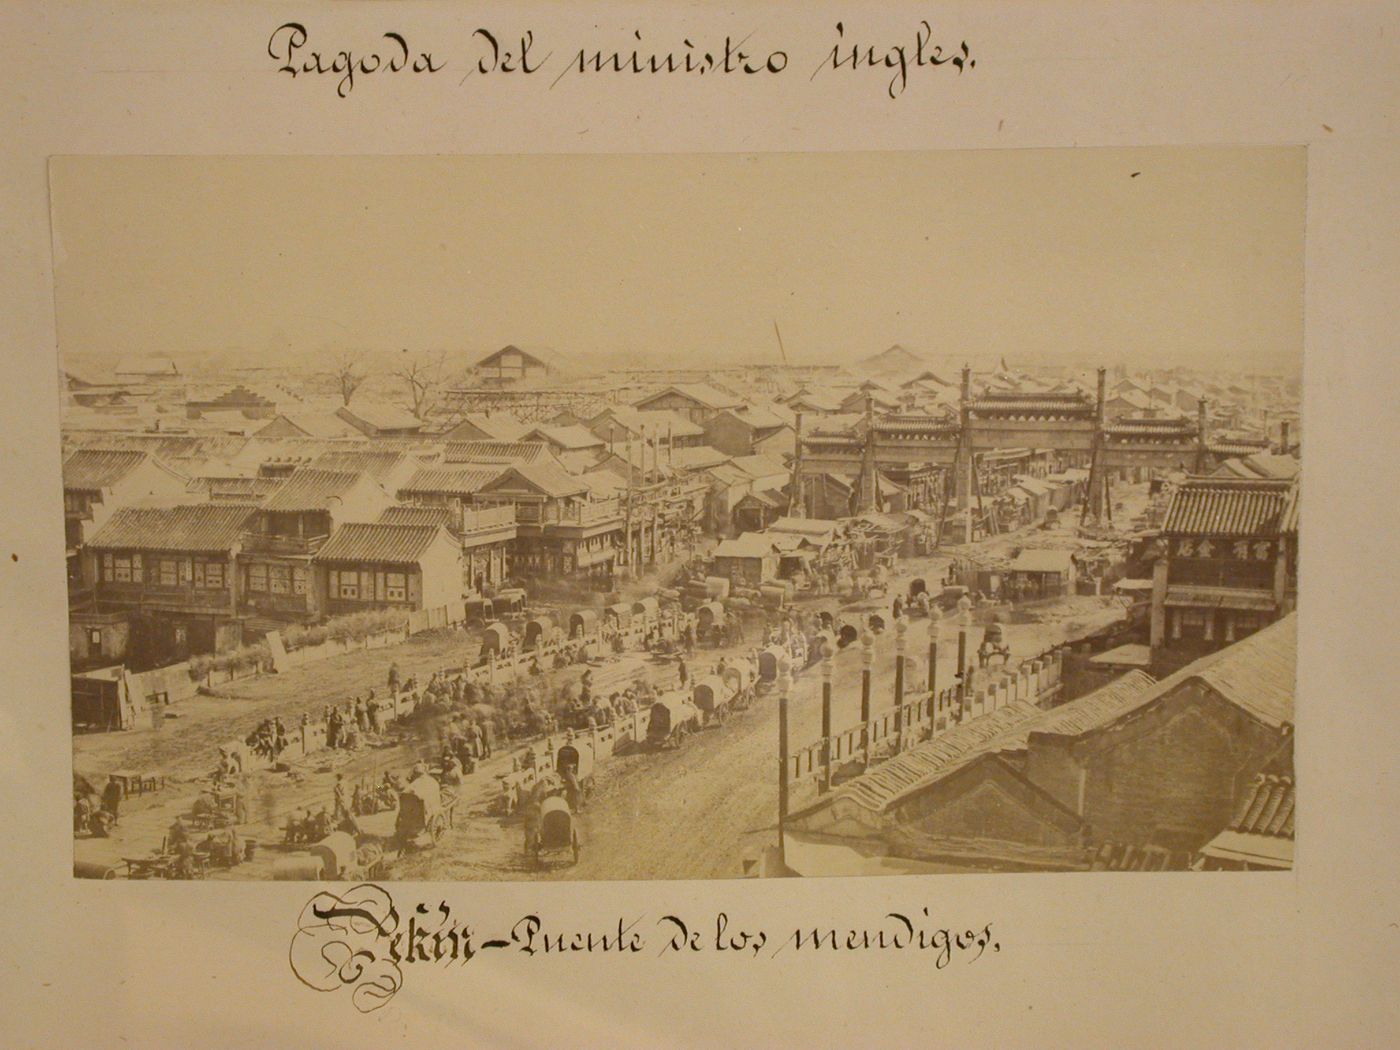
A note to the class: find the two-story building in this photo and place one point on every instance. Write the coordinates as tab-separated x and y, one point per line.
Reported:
1227	563
697	402
97	482
388	566
286	533
560	530
171	572
485	536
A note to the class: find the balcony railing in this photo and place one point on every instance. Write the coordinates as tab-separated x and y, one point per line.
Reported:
488	518
272	543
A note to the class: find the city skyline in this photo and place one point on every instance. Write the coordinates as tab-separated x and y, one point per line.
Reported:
1191	257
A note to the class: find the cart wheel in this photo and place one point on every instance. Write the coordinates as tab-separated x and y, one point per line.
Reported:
436	827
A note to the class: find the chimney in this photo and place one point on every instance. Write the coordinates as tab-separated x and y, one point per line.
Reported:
1103	386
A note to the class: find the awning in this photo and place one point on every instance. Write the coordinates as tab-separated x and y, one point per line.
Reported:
585	559
1241	848
1220	598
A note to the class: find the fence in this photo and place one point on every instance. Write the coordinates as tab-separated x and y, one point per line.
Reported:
1036	680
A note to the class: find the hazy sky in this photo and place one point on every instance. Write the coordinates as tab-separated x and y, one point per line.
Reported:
1027	253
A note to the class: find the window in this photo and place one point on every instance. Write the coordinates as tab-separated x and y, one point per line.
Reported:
186	571
257	577
136	568
396	586
349	585
199	574
168	573
95	638
214	575
123	568
298	579
107	567
279	579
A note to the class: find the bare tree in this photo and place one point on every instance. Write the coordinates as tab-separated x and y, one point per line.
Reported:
348	372
422	375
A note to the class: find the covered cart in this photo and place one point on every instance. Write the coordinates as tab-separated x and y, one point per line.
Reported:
712	696
672	717
575	760
557	831
425	811
708	617
540	631
583	624
494	638
648	608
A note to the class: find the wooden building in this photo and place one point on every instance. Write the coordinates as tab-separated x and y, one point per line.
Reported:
386	566
285	534
1228	563
172	573
1136	764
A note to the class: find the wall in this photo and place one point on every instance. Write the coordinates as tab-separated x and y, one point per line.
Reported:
1177	769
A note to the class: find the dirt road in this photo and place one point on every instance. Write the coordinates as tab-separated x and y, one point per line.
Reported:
689	813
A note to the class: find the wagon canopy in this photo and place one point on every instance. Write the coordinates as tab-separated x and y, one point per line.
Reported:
737	676
670	710
495	637
578	760
711	614
647	608
710	694
336	852
770	662
556	823
621	613
582	622
539	631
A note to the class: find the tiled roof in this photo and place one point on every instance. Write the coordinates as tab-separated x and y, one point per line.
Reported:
505	453
92	468
698	457
456	481
569	437
1226	507
701	393
498	426
1267	809
311	489
418	516
549	479
381	415
312	424
1092	710
359	461
1258	674
394	544
661	421
760	466
196	528
886	784
1288	520
1031	403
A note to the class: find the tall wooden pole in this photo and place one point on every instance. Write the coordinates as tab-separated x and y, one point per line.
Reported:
826	716
933	631
901	627
784	684
867	661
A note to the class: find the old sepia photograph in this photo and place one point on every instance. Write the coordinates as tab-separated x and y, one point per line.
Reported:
689	516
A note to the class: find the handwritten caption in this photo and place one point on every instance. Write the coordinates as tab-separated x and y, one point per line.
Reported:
361	941
519	55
